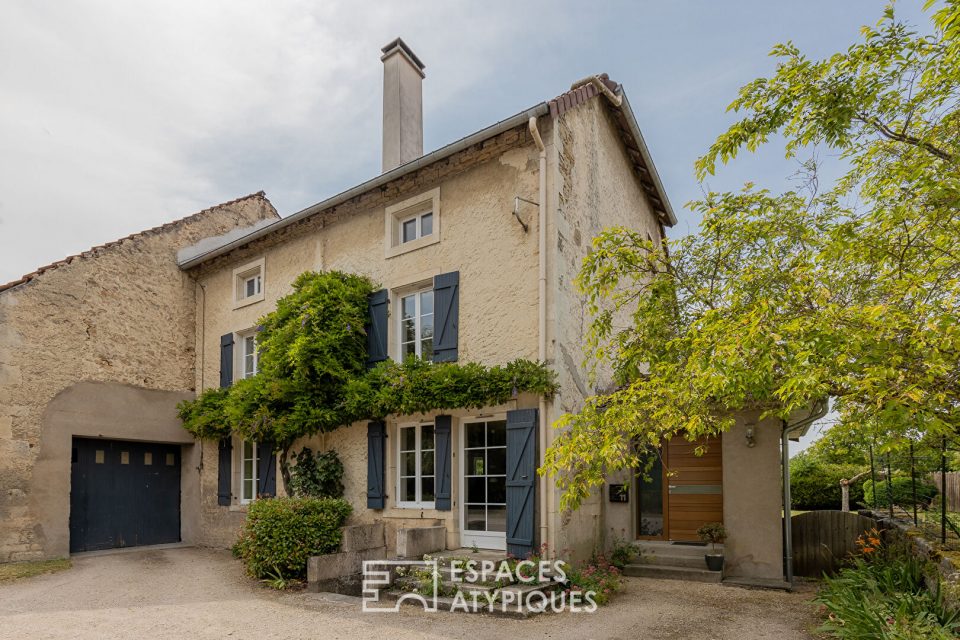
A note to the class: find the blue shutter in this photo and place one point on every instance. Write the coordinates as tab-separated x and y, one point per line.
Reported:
226	360
521	481
225	447
446	305
377	327
267	485
376	450
224	458
441	433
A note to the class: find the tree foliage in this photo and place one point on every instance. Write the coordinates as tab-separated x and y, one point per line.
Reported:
780	299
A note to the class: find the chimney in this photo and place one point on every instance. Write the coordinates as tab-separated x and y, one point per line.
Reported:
402	105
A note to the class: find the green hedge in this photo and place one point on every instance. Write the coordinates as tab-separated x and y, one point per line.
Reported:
815	485
902	492
281	533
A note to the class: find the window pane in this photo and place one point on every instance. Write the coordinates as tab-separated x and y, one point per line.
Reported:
426	436
426	489
476	490
409	349
497	433
247	449
408	439
496	518
475	464
426	303
408	306
251	287
409	230
147	458
497	461
476	519
124	457
408	489
247	469
408	331
426	349
426	463
170	459
408	463
475	435
248	489
426	224
496	489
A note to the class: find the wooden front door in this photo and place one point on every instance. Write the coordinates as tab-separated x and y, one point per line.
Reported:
685	491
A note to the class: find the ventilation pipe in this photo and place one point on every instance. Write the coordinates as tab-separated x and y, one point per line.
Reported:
542	319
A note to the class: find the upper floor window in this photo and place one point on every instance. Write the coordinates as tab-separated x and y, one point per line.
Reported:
248	281
415	462
413	223
416	325
248	356
416	227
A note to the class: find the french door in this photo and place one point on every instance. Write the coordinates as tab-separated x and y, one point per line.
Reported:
483	481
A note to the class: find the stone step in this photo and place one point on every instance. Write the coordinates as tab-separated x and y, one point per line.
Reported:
673	549
671	573
673	560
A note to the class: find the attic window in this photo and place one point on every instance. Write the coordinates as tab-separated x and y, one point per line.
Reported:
248	283
412	224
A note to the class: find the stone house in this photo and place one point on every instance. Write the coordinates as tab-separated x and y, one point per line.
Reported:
480	239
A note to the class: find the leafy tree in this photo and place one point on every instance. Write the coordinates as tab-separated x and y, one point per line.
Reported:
850	292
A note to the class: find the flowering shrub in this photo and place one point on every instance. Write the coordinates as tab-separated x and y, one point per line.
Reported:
597	575
883	595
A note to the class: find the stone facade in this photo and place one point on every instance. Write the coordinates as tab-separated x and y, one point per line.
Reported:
121	315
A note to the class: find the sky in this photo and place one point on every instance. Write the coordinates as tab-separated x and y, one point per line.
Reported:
119	116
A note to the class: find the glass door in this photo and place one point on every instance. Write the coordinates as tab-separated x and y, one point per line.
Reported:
484	484
650	501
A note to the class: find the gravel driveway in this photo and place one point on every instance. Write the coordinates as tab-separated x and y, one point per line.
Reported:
201	593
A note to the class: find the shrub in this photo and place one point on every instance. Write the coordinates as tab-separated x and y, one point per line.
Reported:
281	533
902	492
319	476
884	596
815	484
596	575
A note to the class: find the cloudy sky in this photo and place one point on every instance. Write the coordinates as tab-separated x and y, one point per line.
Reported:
118	116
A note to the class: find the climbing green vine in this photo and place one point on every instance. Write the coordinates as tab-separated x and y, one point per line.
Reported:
313	376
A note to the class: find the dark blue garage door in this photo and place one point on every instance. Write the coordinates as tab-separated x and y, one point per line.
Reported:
123	494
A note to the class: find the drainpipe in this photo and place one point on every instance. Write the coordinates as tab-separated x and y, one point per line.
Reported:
819	410
542	320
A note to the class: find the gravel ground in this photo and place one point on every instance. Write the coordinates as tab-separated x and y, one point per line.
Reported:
202	593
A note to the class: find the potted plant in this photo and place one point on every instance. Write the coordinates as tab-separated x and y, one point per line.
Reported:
714	533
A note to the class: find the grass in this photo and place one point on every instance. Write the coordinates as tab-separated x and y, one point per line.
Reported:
17	570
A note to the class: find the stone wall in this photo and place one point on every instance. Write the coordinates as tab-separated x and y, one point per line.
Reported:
593	186
122	314
479	237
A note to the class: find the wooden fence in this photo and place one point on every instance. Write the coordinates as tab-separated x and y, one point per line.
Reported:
823	540
953	489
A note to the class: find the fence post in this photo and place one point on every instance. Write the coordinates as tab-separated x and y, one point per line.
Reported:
913	482
889	487
943	490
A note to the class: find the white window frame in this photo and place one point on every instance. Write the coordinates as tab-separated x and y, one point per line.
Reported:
411	208
242	355
255	270
244	498
418	329
480	539
418	503
417	219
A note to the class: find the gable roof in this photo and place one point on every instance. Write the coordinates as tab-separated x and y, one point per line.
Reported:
94	251
627	127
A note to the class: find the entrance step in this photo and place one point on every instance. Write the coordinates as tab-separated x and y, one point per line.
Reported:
664	572
673	560
648	548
